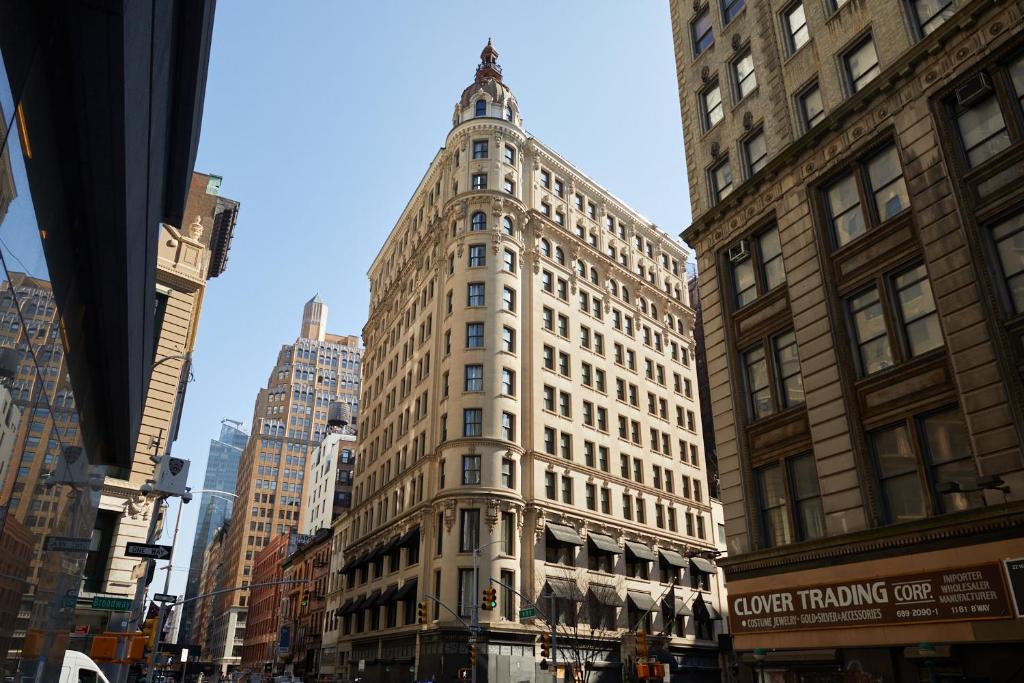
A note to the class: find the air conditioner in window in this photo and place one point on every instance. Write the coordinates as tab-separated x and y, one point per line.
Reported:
739	251
976	87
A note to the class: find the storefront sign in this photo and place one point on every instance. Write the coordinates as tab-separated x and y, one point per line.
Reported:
960	594
1015	574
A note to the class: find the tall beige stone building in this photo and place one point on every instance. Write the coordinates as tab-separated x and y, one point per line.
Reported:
290	419
855	175
528	390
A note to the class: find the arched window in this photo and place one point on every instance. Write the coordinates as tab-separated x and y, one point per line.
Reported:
654	311
508	113
593	275
507	226
545	248
479	222
559	256
481	108
625	294
614	287
581	268
643	304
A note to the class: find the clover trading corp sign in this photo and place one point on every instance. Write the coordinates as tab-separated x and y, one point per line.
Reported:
966	593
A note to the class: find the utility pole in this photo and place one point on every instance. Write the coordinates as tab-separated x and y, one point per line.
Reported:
554	638
474	625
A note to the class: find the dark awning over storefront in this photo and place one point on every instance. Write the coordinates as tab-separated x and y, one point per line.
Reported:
408	589
565	589
347	608
564	534
604	544
672	558
605	595
642	601
700	564
387	596
639	551
369	600
409	538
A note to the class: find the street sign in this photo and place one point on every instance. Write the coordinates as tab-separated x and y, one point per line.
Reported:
149	550
112	603
164	597
63	544
528	613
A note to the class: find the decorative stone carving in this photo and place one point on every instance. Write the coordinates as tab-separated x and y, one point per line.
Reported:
748	120
449	514
715	149
705	73
737	42
195	229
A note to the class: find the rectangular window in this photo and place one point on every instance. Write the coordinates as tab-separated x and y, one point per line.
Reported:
549	357
591	495
918	316
701	33
567	490
475	294
755	152
508	382
563	364
564	404
472	422
508	607
510	155
508	339
861	65
549	398
902	493
479	181
721	181
807	509
730	8
466	595
508	426
812	108
510	261
549	485
982	130
775	522
743	75
795	22
886	194
509	299
546	281
931	14
474	378
474	335
606	504
545	179
477	255
870	335
759	393
469	530
787	367
508	473
480	149
565	446
508	530
1008	237
470	470
711	106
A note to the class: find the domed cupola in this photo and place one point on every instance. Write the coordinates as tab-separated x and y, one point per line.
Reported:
487	96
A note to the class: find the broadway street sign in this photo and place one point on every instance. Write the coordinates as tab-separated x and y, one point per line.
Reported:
63	544
112	603
147	550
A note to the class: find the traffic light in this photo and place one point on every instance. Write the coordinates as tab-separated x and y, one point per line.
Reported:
136	647
421	612
490	599
545	645
103	648
149	627
472	654
641	643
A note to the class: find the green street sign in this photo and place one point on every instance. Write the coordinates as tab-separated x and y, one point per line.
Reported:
528	613
111	603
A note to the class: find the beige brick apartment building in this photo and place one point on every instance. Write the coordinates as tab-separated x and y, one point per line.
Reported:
855	173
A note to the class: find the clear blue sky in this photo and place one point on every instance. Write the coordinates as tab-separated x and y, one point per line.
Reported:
323	116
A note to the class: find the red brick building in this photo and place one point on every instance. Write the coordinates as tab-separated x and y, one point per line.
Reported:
264	619
16	544
304	604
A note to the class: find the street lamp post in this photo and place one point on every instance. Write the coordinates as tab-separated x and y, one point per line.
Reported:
474	628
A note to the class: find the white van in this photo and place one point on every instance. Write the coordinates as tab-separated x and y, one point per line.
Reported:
78	668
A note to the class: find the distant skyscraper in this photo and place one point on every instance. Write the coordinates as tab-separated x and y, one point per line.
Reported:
289	421
221	474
